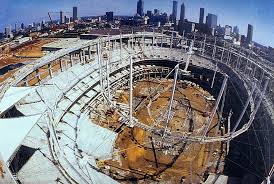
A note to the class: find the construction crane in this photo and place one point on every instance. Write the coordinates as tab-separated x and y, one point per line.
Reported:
50	18
49	14
53	25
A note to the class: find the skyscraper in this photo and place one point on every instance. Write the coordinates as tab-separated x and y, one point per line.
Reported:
202	14
16	28
227	33
156	11
182	14
235	30
22	26
62	20
75	12
182	19
174	12
249	34
8	32
140	7
211	20
149	13
109	16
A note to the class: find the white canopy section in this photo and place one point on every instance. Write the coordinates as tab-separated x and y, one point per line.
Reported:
5	174
94	140
12	133
12	96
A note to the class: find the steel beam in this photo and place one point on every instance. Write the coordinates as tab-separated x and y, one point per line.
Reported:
131	90
207	125
171	99
100	65
245	108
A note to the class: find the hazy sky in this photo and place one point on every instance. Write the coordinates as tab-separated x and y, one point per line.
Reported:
259	13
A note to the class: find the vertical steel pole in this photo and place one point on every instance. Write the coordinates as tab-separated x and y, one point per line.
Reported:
100	64
121	42
171	99
162	37
131	90
208	123
204	46
245	107
107	67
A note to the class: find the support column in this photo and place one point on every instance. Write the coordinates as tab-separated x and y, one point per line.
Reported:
153	38
214	49
171	41
121	42
216	67
171	99
222	55
143	40
203	52
171	44
71	60
66	64
38	76
107	68
84	56
208	123
131	91
100	65
61	65
89	53
162	37
189	53
50	70
245	107
80	56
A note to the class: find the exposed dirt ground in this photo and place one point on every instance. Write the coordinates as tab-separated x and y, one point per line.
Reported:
34	49
28	52
134	158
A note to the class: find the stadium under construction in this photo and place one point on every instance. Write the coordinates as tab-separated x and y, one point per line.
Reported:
144	107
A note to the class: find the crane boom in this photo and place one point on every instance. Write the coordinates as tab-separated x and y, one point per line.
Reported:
50	17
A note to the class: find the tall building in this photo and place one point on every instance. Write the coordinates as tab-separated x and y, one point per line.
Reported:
174	12
74	13
249	34
211	20
22	26
149	13
109	16
227	32
16	28
236	30
140	7
182	14
156	11
8	32
182	19
202	14
62	18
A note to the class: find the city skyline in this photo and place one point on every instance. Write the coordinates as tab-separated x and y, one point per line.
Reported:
231	13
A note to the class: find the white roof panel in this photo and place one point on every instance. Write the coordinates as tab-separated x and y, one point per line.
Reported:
12	96
96	141
12	133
